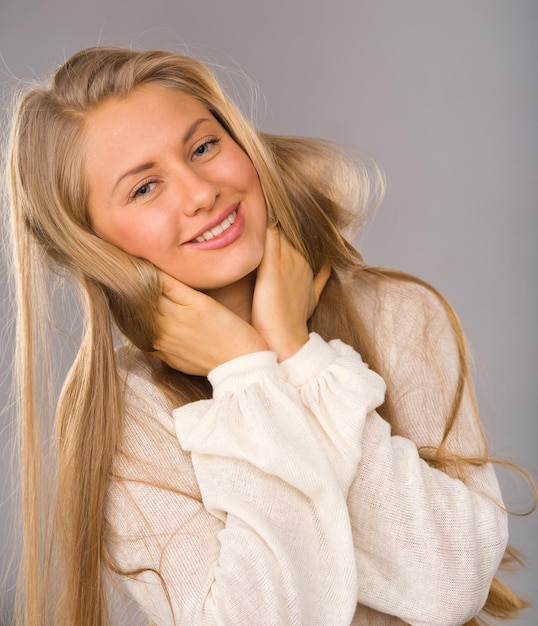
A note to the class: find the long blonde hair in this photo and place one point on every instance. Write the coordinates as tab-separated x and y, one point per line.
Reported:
315	194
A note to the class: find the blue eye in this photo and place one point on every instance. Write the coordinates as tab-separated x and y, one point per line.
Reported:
201	149
143	190
204	148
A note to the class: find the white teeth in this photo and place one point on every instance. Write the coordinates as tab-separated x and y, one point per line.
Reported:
217	230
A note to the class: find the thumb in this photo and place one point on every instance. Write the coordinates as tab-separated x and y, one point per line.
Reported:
321	278
272	245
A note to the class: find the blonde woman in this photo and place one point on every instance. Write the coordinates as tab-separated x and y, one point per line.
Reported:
258	428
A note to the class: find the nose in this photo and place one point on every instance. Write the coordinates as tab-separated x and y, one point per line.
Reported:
198	192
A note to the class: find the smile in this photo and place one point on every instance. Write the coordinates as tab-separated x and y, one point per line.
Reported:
217	230
224	233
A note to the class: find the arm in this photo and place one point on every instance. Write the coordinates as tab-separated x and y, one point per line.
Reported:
427	544
271	543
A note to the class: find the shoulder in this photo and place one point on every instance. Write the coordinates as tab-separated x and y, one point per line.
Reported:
131	361
413	333
395	303
392	290
145	401
149	449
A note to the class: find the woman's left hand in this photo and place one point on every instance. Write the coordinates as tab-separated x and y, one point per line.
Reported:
285	295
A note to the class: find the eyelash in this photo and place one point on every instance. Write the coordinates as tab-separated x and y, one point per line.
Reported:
207	142
136	192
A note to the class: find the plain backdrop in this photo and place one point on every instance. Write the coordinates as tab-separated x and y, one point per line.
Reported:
444	95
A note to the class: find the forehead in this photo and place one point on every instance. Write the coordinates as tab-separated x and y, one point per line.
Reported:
150	101
142	127
122	130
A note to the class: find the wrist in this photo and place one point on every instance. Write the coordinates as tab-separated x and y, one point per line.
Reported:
243	371
287	347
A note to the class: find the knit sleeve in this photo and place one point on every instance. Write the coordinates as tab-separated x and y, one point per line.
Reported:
427	543
269	539
340	397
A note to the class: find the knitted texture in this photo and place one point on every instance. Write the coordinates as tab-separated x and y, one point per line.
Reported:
287	500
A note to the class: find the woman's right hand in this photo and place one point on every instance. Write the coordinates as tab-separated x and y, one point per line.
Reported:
195	333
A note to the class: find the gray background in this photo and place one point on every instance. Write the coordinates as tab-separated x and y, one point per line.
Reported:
443	94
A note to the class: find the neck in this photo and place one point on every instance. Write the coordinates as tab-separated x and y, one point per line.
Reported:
237	297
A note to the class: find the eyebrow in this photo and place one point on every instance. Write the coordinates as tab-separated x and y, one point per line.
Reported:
147	166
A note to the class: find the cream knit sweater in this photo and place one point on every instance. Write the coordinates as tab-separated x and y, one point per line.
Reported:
287	500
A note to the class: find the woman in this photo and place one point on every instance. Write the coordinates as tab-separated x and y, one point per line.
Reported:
235	461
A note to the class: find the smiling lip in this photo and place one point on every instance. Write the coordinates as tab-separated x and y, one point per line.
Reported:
226	237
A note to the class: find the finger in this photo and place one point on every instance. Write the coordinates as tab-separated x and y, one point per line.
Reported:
290	252
175	290
321	279
166	307
272	243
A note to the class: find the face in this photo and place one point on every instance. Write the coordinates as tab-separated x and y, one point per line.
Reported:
168	184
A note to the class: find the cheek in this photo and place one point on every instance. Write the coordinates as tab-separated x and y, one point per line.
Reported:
252	183
241	163
140	237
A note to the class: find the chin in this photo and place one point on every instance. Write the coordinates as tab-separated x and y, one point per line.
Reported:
245	278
